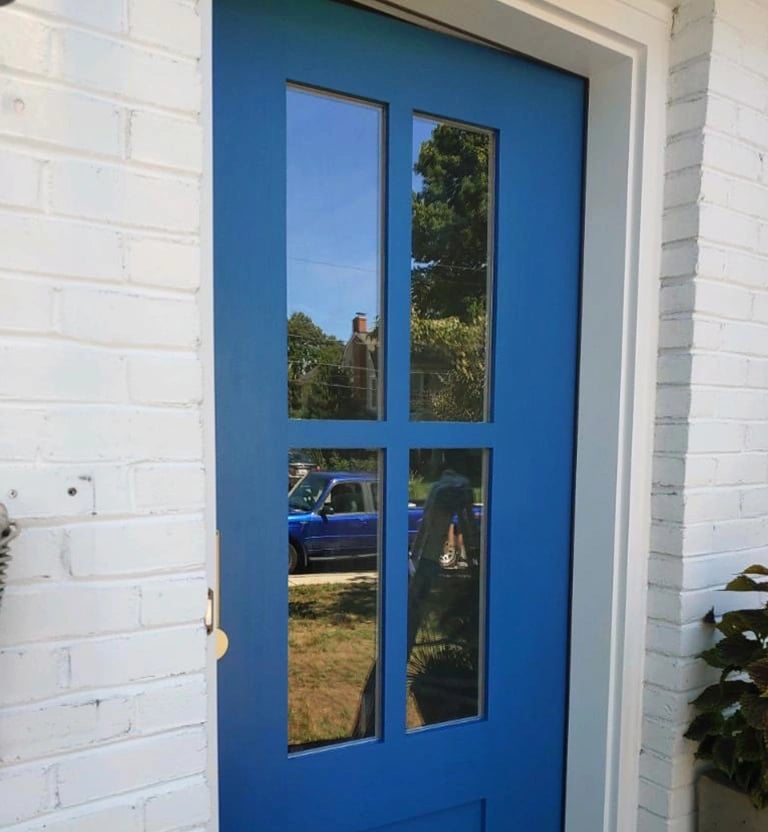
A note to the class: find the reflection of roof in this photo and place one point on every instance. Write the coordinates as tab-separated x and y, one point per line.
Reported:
369	340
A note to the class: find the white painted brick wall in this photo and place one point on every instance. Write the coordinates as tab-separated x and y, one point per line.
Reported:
102	649
710	506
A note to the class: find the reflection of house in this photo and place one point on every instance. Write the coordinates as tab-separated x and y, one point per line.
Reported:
362	359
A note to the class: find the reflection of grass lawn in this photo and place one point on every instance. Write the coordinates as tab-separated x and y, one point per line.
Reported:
332	640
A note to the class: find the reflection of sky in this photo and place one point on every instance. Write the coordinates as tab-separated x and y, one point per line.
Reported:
333	220
333	210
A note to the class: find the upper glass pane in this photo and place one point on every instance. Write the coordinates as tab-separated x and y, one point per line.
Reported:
334	195
450	271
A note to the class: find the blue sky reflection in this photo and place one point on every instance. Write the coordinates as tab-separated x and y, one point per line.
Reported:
334	209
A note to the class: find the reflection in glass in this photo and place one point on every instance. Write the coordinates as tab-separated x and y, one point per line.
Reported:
333	566
450	270
334	164
445	596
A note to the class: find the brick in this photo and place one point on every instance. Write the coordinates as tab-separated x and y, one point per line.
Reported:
37	555
682	188
20	433
53	728
27	305
726	226
156	262
85	189
101	14
29	674
743	468
162	140
677	296
177	808
687	115
61	611
734	80
726	370
168	487
125	817
66	118
712	436
138	657
110	317
128	766
56	246
46	371
117	67
679	259
689	80
131	547
177	601
174	25
109	434
681	223
731	156
180	703
24	793
24	43
19	179
165	379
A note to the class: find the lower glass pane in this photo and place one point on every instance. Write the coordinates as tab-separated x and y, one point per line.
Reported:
446	521
333	595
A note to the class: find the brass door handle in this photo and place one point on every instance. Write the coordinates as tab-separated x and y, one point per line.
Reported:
213	611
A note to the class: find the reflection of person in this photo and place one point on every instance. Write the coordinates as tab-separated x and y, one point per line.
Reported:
455	541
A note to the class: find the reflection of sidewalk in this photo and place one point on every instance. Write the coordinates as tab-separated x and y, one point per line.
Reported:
369	576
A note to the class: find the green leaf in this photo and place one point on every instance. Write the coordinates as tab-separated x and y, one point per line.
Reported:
738	651
755	710
724	754
704	751
722	695
704	725
713	659
744	584
745	621
758	672
749	745
755	569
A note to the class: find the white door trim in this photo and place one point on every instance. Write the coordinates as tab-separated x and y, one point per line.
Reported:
621	46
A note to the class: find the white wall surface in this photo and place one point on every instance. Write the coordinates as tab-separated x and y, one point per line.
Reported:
102	646
710	503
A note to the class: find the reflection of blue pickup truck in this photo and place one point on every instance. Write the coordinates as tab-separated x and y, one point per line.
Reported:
335	515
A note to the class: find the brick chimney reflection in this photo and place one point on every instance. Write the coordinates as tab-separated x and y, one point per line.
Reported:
360	323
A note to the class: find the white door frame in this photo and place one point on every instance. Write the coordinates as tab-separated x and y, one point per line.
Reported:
621	46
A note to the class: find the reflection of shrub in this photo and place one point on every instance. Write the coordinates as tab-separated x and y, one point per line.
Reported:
417	488
444	662
347	459
443	681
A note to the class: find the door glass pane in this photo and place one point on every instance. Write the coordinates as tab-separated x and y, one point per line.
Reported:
334	194
446	542
450	270
333	597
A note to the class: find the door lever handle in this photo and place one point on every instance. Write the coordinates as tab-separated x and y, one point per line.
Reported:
213	610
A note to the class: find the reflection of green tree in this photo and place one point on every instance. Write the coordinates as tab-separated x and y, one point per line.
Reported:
449	276
319	387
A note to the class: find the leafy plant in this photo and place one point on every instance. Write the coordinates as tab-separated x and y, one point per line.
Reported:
732	725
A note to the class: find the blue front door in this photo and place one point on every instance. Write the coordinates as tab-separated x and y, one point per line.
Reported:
397	268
